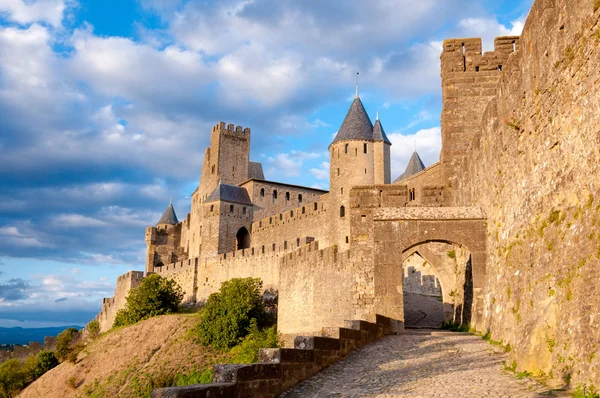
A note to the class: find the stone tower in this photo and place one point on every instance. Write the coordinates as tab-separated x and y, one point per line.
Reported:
359	155
163	241
227	159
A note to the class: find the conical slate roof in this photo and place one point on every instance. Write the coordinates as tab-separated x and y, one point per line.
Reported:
356	125
169	216
379	133
229	193
415	165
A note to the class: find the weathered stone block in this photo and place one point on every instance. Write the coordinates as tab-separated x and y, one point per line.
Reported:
316	343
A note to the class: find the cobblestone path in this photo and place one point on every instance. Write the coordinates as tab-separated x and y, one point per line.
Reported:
420	364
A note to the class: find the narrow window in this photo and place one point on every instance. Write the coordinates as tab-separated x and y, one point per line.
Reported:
300	198
303	210
514	44
292	213
273	246
297	241
347	241
363	218
316	206
499	67
263	249
338	171
243	210
285	245
280	217
365	171
365	148
287	196
231	208
234	169
262	193
346	148
477	69
274	196
212	169
270	220
355	151
463	49
342	211
253	251
260	224
212	207
342	191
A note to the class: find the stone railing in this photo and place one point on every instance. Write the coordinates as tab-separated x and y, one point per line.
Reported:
281	368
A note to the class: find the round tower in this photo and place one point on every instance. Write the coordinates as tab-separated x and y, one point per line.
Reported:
359	155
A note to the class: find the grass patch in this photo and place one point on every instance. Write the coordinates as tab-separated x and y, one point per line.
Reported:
452	253
457	327
582	390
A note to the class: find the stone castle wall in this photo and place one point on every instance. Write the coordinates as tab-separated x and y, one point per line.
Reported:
428	186
111	305
533	167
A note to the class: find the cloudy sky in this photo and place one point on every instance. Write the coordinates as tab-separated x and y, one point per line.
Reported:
106	108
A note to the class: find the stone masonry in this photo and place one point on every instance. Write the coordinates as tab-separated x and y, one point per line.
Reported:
508	221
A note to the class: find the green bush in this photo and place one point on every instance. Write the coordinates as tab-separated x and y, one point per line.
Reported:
584	391
247	350
456	327
227	315
64	344
13	378
94	329
155	296
45	361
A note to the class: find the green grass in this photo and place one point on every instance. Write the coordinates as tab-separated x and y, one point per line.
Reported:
457	327
584	391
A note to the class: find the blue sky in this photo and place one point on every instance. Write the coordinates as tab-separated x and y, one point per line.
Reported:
106	108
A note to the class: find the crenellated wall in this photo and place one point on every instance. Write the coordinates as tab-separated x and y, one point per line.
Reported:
111	305
533	166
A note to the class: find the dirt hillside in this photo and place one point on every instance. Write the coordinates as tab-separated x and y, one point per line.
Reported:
129	362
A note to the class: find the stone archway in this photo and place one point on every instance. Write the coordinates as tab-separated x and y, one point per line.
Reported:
398	232
242	239
437	284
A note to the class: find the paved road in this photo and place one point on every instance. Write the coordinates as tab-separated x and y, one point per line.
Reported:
420	364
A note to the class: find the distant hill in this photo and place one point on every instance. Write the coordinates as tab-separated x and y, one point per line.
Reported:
24	336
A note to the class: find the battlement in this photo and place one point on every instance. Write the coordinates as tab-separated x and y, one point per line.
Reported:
299	213
465	55
231	129
130	276
172	268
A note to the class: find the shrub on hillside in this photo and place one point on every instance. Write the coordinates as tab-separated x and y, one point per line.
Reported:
66	347
228	313
45	361
155	296
93	329
247	350
13	378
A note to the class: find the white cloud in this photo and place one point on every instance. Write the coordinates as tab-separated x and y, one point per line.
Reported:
77	221
13	235
428	143
489	28
321	173
290	164
26	12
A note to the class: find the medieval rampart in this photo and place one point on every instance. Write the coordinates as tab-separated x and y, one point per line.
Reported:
111	305
533	166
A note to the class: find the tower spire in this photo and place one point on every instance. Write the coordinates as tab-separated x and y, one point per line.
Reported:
377	116
356	85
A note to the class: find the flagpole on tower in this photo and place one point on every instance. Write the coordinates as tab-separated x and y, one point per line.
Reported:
356	85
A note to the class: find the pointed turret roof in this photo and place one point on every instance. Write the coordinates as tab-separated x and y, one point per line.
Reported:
379	133
169	216
415	165
356	125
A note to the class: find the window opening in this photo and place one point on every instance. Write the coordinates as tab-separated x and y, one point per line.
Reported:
365	148
342	211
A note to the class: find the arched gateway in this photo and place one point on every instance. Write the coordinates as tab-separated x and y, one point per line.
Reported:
399	233
242	239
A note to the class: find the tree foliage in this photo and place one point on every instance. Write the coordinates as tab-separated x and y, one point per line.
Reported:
65	345
155	296
247	350
227	315
45	361
94	329
13	378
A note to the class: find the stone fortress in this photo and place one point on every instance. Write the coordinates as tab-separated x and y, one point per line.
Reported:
502	233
